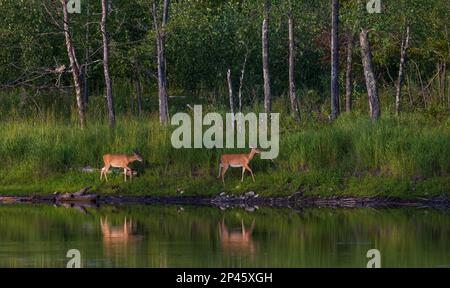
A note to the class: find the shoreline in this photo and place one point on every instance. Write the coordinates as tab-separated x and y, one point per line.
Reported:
249	201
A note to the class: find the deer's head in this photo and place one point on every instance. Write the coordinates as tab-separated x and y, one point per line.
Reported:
138	156
255	150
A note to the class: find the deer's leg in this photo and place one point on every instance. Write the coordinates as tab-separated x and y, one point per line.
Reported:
224	170
220	169
131	172
105	171
251	172
102	171
243	171
125	173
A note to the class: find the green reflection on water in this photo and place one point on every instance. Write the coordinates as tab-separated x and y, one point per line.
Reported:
156	236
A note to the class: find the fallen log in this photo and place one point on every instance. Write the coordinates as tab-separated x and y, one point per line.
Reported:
79	196
73	198
82	191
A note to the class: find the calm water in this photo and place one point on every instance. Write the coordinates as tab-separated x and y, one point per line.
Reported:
154	236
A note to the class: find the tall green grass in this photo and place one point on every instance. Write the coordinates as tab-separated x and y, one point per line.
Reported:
353	155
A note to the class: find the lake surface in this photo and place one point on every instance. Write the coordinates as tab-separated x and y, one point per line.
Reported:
189	236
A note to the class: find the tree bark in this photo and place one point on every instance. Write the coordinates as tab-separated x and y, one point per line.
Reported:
335	60
75	67
85	85
371	82
160	49
139	94
447	73
241	81
443	78
403	52
292	90
349	73
86	65
448	90
109	95
265	57
230	91
132	96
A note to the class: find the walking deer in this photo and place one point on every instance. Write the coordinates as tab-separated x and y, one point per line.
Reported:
120	161
236	160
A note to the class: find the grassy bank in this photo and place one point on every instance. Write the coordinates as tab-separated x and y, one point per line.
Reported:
400	157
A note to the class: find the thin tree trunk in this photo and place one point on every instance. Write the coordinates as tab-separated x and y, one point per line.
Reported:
230	91
109	95
86	65
75	67
349	73
265	57
439	82
132	96
292	90
422	88
403	51
241	81
447	74
371	82
448	90
335	60
160	48
442	79
409	90
85	86
139	93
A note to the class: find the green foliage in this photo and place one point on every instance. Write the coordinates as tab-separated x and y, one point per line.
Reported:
204	38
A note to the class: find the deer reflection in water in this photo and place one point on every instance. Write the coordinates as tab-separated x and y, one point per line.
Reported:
237	242
116	239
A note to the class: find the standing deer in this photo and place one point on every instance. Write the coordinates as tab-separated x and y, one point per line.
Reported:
236	160
120	161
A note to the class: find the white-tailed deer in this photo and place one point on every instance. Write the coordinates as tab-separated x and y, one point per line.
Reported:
237	241
119	161
236	160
